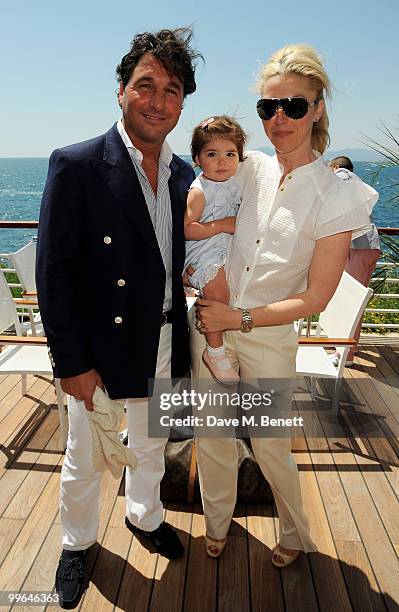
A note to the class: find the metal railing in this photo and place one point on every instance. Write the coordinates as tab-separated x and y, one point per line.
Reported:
390	231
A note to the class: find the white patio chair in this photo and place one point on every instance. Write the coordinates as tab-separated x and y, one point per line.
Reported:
23	261
24	356
339	322
9	315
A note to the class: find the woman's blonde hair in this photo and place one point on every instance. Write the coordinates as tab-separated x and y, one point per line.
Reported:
302	60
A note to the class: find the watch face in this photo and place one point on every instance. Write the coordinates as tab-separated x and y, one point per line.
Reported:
246	323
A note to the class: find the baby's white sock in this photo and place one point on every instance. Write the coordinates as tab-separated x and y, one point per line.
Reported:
223	364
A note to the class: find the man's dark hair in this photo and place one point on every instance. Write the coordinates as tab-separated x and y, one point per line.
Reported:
171	48
342	162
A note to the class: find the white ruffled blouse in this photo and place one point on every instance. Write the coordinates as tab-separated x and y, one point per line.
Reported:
277	227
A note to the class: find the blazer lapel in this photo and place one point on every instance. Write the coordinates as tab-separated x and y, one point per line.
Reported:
178	196
117	172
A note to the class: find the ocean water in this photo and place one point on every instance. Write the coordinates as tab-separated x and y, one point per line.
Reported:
22	182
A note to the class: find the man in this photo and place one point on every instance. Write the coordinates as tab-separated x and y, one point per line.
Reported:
364	251
109	267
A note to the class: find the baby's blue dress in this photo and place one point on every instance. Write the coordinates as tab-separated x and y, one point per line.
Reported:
222	199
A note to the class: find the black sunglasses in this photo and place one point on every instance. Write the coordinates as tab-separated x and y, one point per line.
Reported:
294	108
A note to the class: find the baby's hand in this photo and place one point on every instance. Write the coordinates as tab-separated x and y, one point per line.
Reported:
229	225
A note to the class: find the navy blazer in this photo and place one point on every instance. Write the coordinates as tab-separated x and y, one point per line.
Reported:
95	230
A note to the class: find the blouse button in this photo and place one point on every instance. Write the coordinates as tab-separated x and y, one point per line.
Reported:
247	268
118	320
290	177
258	241
282	189
107	240
121	282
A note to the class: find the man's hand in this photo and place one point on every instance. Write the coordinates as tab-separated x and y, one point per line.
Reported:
82	387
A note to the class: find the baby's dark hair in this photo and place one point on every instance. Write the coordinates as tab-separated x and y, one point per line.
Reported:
221	126
342	162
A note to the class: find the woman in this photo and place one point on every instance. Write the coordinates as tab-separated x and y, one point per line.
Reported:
289	250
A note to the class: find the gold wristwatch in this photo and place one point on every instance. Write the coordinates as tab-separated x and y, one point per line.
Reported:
246	321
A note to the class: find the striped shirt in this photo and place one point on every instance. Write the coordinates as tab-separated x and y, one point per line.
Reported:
159	205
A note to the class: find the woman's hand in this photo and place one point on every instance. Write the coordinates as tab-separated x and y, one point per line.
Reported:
214	316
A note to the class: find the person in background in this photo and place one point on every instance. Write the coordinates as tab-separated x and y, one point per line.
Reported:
109	276
364	251
287	255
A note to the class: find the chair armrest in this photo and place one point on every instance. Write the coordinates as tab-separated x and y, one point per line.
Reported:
316	341
32	340
29	340
22	302
29	293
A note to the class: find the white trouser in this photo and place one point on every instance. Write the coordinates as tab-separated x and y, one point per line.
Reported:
265	352
80	482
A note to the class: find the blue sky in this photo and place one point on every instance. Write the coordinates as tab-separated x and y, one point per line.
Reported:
57	67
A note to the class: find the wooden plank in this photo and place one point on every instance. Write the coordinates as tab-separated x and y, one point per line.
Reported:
389	394
322	341
376	542
359	577
110	563
8	382
14	395
390	373
298	580
20	423
383	429
9	485
377	447
375	539
9	530
27	340
15	475
23	552
168	589
370	395
108	571
353	547
325	562
385	500
42	573
233	583
201	580
32	487
137	580
266	587
391	356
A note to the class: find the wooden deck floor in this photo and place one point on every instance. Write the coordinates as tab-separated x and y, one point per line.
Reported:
350	483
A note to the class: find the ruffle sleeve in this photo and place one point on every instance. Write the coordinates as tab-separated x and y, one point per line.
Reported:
346	206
